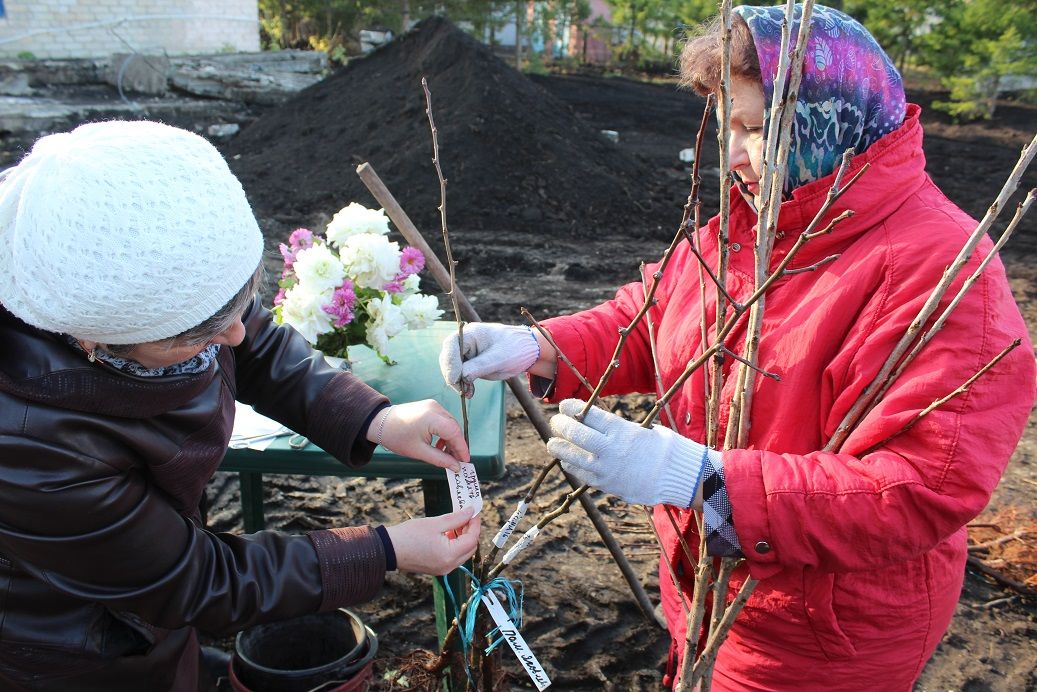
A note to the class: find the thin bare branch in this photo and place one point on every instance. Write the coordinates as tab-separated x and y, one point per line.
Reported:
716	638
517	386
1020	211
669	567
944	399
703	571
812	267
450	262
693	203
869	395
1001	578
716	281
720	586
772	187
624	332
659	387
716	372
1016	535
743	361
725	328
561	355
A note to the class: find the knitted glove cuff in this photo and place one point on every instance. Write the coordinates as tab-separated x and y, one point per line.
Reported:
528	349
680	479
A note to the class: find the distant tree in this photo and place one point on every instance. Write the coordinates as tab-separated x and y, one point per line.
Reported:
687	17
896	24
322	24
664	21
974	45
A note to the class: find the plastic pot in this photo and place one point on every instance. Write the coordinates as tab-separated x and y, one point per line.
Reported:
327	652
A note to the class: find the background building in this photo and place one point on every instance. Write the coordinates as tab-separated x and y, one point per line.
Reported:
93	29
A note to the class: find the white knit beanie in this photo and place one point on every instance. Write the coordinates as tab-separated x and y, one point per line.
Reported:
123	233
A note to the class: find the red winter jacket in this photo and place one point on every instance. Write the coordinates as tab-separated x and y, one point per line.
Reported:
860	556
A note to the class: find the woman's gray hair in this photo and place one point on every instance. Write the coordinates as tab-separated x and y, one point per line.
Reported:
213	326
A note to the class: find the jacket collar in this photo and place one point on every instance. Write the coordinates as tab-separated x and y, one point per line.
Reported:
897	171
39	367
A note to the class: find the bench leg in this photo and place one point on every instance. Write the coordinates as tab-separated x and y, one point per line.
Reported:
252	501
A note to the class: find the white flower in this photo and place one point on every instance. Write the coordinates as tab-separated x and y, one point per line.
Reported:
355	219
304	310
318	269
372	260
410	285
387	320
420	310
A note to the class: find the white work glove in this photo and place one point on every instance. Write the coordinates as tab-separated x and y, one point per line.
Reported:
491	352
646	466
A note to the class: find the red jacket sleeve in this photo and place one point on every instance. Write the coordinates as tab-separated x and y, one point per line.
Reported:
589	338
855	509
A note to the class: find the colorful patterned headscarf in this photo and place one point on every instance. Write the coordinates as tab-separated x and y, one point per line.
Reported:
850	96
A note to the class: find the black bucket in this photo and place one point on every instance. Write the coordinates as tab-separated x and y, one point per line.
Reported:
327	651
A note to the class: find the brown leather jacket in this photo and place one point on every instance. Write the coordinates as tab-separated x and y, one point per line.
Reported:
106	571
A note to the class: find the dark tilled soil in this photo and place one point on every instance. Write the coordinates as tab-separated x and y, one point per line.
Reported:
514	156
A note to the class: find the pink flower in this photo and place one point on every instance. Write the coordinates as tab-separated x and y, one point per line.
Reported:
300	239
288	255
411	261
343	301
279	298
396	285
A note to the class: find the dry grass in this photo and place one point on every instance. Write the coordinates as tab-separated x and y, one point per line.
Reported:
1006	541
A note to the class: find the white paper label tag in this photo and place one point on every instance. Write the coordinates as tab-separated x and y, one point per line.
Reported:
516	642
464	488
509	526
526	539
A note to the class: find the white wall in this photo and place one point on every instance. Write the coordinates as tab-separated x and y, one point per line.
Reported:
99	28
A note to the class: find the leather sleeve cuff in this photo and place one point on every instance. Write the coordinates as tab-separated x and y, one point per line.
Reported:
352	565
343	434
390	551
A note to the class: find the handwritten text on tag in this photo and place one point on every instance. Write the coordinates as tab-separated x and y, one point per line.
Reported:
516	642
464	488
509	526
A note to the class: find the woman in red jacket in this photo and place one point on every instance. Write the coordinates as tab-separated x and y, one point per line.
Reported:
129	260
859	552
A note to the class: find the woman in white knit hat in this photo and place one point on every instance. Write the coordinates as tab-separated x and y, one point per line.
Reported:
129	259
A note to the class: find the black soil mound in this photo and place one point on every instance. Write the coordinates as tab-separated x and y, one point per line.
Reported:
516	158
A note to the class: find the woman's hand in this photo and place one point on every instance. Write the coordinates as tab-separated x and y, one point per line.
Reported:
647	466
422	430
491	352
423	545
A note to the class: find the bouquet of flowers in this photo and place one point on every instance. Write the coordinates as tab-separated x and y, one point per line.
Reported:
353	285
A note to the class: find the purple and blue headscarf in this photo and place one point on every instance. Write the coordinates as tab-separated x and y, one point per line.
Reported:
850	96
